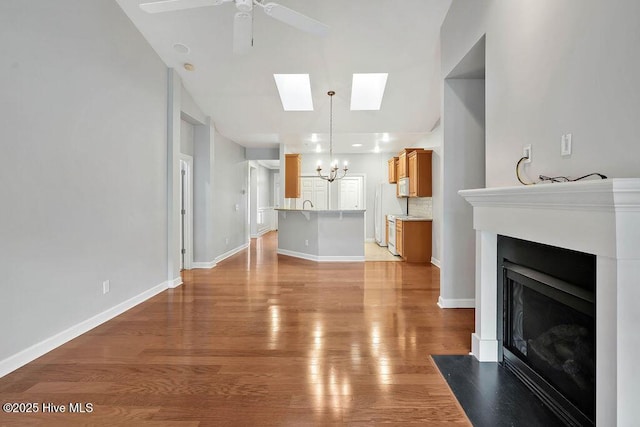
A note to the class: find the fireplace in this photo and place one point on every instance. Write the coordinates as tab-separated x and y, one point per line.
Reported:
547	324
599	217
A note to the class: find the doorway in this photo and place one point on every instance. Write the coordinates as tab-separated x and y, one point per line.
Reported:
186	212
351	193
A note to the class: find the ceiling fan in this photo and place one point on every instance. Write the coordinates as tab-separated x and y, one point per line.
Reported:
243	20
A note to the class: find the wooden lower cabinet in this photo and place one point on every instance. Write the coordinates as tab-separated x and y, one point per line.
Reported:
413	240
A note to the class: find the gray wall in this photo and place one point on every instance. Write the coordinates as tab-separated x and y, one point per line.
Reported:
230	175
463	161
83	155
186	138
544	79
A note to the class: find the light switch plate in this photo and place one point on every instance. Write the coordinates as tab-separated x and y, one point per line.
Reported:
565	145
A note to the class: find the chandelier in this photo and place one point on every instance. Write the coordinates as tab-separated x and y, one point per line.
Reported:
333	173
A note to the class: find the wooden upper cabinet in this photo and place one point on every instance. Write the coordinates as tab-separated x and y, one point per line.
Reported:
393	170
419	171
292	166
403	165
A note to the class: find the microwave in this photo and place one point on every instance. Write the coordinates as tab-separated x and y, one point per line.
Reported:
403	187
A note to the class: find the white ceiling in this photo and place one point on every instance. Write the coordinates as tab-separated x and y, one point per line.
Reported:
399	37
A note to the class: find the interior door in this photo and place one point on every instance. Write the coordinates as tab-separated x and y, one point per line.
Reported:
351	192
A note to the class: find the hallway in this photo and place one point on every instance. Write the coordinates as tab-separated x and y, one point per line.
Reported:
261	340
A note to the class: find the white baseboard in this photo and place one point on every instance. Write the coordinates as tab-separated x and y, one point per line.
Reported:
175	282
456	303
318	258
231	252
370	240
435	262
27	355
260	233
209	264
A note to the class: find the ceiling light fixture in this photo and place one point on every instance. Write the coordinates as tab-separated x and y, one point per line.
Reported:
356	145
367	91
188	67
333	174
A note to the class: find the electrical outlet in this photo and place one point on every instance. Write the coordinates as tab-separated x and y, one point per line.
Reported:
105	287
526	152
565	145
306	243
226	241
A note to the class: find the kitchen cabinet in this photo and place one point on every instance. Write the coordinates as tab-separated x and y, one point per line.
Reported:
419	170
403	166
393	170
292	166
413	240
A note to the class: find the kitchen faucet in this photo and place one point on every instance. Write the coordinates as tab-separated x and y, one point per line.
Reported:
310	202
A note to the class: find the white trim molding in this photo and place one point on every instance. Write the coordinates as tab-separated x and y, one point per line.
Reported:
456	302
27	355
209	264
318	258
232	252
174	283
435	261
599	217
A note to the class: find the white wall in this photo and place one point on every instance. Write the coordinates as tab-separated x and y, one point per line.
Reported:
83	152
554	68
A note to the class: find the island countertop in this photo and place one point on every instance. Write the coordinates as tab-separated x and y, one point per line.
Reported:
319	210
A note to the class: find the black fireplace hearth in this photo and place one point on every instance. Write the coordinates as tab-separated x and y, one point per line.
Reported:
548	324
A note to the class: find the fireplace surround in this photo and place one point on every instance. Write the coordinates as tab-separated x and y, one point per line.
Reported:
600	218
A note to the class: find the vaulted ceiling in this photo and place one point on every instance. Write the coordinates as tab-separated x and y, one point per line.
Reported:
399	37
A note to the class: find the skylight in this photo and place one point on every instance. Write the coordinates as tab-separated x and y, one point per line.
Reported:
295	91
367	91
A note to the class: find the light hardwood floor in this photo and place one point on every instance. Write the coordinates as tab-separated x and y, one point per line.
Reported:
261	340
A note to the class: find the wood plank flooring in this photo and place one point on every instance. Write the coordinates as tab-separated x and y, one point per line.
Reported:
261	340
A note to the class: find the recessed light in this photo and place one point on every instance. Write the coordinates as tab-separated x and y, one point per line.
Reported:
181	48
367	91
189	67
295	91
356	145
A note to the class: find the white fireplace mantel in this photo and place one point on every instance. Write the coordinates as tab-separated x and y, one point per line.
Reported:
597	217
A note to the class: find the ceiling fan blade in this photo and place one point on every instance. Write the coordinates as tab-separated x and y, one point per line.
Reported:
296	19
242	33
171	5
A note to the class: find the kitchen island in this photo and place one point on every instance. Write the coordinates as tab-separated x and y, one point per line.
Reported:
321	235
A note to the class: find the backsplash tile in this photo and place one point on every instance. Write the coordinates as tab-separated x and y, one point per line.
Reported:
421	206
